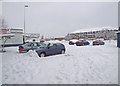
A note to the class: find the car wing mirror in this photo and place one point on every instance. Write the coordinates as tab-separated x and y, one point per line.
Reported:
48	47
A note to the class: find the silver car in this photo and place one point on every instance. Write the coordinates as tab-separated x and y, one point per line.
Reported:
98	42
31	46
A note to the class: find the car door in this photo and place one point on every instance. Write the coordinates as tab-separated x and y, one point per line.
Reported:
85	42
57	48
28	46
82	42
51	49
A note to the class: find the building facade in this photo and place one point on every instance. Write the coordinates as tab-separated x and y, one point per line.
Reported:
100	34
13	41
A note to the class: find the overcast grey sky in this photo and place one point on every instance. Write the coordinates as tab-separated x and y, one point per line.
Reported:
60	18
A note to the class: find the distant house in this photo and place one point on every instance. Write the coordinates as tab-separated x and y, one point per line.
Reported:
32	36
59	38
3	31
104	33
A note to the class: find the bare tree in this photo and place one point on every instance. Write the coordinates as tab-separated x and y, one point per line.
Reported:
3	23
42	37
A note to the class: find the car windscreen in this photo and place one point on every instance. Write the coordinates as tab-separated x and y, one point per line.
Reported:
84	41
27	44
98	41
80	40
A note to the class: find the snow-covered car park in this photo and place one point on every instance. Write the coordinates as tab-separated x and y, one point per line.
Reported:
79	65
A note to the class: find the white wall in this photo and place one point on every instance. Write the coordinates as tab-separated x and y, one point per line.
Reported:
0	53
17	39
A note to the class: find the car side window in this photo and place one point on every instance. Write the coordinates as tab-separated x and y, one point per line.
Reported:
82	41
58	44
55	45
29	45
34	44
51	45
38	44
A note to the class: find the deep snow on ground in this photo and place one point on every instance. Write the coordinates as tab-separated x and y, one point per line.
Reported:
79	65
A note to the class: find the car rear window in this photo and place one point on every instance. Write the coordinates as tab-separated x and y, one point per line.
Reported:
27	44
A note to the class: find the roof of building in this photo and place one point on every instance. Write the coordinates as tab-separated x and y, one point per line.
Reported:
93	29
6	35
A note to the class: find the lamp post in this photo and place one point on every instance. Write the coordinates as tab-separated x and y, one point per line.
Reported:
24	21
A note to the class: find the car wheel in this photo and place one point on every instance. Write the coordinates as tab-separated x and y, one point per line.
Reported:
62	51
42	54
88	43
27	50
78	45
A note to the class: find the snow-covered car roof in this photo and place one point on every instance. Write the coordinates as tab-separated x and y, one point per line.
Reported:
52	41
73	40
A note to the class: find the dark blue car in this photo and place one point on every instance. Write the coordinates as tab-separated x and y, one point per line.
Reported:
51	49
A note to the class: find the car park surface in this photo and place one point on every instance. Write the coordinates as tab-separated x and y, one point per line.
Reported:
79	65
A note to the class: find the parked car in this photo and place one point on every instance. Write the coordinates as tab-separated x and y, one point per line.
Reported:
73	41
82	42
51	49
98	42
31	46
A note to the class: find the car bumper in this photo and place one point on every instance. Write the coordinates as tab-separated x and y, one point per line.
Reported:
22	51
